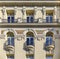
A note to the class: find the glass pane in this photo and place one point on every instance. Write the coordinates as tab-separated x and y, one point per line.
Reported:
27	19
47	41
27	41
32	42
47	19
50	19
12	41
8	19
31	19
8	41
12	19
51	40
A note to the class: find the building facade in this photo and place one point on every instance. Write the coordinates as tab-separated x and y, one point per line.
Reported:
29	29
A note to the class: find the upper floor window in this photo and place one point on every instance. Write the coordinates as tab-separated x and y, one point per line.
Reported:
49	16
10	16
30	38
10	37
49	38
30	16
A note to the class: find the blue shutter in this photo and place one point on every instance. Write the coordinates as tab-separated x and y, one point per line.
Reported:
12	19
8	19
12	41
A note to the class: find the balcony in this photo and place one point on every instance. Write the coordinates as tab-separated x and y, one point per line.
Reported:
10	52
29	52
8	47
49	53
37	23
28	47
49	46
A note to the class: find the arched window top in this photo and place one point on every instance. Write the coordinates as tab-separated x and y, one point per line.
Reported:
10	34
49	34
29	34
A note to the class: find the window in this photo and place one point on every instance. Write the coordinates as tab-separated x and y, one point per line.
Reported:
10	19
49	41
10	57
49	16
49	38
30	19
10	37
11	41
30	57
30	38
49	57
30	16
30	41
10	16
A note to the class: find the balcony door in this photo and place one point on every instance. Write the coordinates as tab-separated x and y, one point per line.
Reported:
10	38
30	19
30	38
49	19
10	19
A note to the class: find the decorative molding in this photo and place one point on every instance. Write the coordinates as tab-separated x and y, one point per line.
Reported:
50	29
40	37
15	9
31	30
57	36
10	30
3	10
19	37
2	36
23	10
35	10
